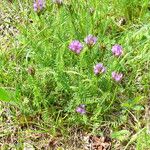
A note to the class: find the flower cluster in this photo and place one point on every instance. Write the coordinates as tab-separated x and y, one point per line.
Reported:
99	68
90	40
77	46
117	76
38	5
117	50
81	109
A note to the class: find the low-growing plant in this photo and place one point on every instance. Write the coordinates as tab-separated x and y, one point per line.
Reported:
73	64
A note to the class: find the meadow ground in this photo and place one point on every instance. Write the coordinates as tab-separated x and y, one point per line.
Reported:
75	74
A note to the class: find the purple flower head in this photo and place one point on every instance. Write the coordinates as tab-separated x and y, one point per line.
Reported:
81	109
38	5
117	50
59	2
90	40
76	46
99	68
117	76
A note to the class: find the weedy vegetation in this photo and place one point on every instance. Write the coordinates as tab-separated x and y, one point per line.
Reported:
75	67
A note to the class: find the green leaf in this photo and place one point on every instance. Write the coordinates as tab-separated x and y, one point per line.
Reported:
121	135
130	104
138	108
137	100
4	95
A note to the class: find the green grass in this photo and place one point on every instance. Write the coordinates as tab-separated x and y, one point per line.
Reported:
64	80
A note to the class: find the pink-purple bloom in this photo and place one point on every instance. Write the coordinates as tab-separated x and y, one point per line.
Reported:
99	68
76	46
81	109
117	76
117	50
90	40
38	5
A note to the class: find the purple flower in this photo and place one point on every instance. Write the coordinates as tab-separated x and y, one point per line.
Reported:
81	109
99	68
117	76
38	5
117	50
90	40
76	46
59	2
